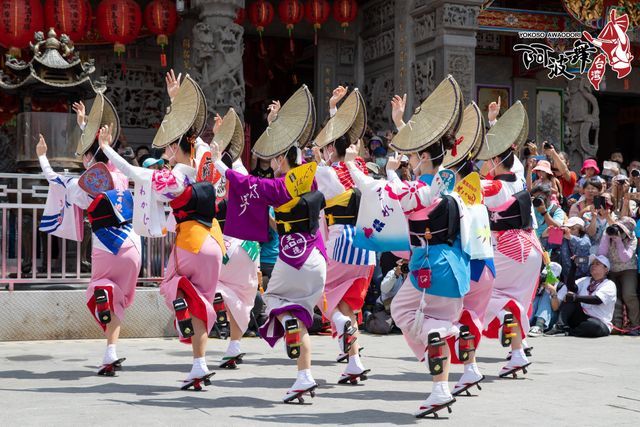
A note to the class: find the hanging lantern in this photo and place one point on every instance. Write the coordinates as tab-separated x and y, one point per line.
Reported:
119	22
345	12
161	18
241	15
261	15
19	20
68	17
317	12
291	13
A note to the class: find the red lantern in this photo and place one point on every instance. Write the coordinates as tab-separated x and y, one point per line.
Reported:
67	17
261	15
291	13
317	12
19	20
161	18
241	15
119	22
345	11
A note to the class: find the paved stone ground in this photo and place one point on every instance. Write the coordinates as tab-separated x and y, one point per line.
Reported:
571	382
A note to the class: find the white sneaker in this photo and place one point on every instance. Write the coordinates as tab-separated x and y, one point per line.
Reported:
535	331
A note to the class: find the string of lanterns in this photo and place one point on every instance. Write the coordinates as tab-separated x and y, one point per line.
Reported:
120	21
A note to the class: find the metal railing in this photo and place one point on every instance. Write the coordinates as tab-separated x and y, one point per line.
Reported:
31	258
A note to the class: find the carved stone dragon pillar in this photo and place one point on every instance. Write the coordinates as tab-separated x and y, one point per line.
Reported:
217	55
582	116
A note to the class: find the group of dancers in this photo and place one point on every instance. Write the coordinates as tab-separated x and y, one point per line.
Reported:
474	259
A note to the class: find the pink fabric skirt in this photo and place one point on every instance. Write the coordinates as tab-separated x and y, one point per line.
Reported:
340	279
474	307
117	274
202	270
513	290
438	314
238	284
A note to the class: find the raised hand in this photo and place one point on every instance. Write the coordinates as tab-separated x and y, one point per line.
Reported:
398	106
41	147
351	153
317	154
494	110
215	151
217	123
273	108
81	112
173	83
337	95
105	136
393	163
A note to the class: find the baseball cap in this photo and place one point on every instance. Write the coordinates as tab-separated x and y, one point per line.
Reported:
602	259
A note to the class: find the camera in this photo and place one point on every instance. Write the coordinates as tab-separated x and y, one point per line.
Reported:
613	230
635	173
547	146
582	260
404	268
538	201
598	202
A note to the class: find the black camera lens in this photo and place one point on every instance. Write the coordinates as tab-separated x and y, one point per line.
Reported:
538	201
547	146
635	173
613	230
404	268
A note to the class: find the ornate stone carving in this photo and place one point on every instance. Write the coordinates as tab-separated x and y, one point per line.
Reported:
420	3
459	16
582	116
380	15
424	76
488	41
424	27
378	91
460	63
217	60
378	46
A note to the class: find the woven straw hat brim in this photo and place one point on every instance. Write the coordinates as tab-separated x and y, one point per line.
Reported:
522	138
359	127
93	125
295	123
510	130
110	117
230	137
201	118
439	113
181	115
342	122
472	130
102	113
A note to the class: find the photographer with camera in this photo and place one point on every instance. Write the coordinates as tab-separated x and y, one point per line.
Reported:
560	168
619	244
548	214
543	315
587	303
380	322
576	246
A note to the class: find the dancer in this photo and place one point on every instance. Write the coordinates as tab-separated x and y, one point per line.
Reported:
349	269
518	254
114	243
191	275
238	281
299	274
426	310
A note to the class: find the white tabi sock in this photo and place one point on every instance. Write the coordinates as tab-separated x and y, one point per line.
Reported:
305	376
441	390
355	365
200	362
234	348
339	320
110	355
471	367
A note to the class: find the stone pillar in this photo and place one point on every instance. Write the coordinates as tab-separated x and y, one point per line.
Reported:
216	55
444	34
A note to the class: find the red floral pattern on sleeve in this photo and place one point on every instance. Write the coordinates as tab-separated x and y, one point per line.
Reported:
163	180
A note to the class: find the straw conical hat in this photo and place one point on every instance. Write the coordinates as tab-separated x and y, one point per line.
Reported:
472	131
295	123
350	119
185	112
510	130
230	136
439	113
102	113
201	118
